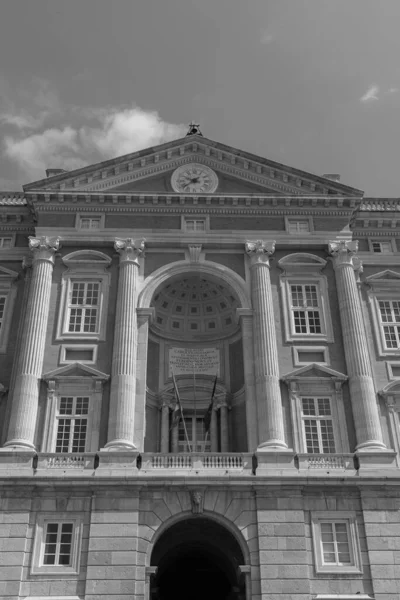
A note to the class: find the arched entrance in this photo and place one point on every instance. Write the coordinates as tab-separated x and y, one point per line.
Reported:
197	558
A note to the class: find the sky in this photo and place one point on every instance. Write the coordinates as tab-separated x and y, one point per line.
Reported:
313	84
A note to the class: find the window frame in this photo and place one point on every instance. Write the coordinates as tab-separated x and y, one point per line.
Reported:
318	418
73	417
84	270
297	350
64	348
89	215
389	365
297	219
44	519
11	237
8	290
350	519
391	241
204	218
320	281
384	286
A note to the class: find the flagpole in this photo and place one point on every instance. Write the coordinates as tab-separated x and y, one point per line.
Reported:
194	401
181	410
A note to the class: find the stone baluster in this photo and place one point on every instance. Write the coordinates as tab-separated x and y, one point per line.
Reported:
165	428
223	415
25	396
214	430
121	425
269	404
359	369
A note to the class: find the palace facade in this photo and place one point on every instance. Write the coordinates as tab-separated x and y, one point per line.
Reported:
269	469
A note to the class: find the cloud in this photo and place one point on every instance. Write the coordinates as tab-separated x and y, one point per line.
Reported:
371	94
393	90
115	131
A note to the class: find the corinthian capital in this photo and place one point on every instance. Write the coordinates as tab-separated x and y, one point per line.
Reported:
129	250
259	251
343	252
43	247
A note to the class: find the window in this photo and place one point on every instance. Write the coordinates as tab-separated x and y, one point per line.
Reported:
5	242
389	311
299	225
90	222
336	543
196	434
73	353
306	312
393	370
195	224
72	424
318	426
7	297
83	306
57	544
382	247
84	295
317	414
305	299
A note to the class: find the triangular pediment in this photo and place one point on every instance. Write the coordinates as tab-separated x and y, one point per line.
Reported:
387	275
149	171
7	273
314	371
75	370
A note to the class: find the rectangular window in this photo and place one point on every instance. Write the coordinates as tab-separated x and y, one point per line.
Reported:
196	434
195	224
5	242
382	247
83	307
300	226
58	544
318	425
72	424
305	309
389	312
335	543
2	309
90	222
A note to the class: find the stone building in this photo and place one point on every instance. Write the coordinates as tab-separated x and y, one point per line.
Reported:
273	297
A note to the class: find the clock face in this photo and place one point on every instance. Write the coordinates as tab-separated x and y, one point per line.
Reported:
194	179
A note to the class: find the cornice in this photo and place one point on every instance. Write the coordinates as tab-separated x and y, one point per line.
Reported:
42	201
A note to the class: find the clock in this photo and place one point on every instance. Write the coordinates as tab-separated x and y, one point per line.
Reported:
194	178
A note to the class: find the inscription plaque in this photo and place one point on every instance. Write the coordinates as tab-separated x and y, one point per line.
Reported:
205	361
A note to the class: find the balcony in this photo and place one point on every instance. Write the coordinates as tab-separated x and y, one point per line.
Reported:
326	462
198	462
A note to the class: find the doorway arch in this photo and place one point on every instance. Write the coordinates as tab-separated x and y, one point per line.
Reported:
197	557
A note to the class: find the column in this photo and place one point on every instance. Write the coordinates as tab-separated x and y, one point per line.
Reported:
165	428
269	405
359	369
121	424
245	316
25	397
223	415
214	430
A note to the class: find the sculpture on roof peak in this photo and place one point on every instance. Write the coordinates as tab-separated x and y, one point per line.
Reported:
194	129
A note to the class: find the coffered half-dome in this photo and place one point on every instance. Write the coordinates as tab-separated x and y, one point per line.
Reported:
194	307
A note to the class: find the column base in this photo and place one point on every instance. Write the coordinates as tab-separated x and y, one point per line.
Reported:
275	459
120	446
116	461
376	459
18	446
272	445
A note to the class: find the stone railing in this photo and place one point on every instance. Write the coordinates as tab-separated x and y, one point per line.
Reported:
65	461
326	462
196	461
